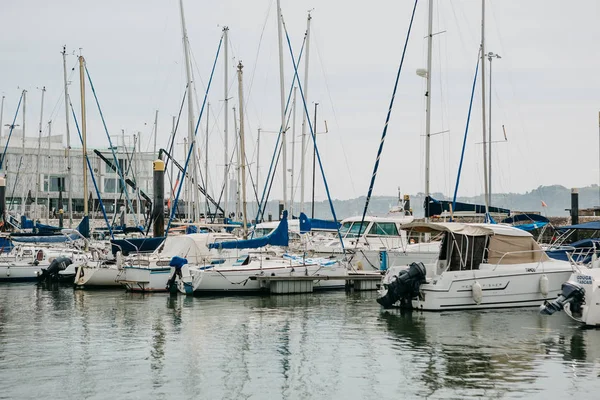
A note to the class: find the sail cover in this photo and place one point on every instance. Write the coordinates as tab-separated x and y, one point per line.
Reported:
279	237
308	224
437	207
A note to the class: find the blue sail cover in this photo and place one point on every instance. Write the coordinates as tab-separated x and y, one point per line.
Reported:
308	224
588	226
133	245
279	237
435	207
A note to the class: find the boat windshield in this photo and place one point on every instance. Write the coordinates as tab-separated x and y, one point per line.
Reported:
345	227
384	229
353	231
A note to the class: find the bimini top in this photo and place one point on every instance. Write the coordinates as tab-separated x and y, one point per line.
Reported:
465	229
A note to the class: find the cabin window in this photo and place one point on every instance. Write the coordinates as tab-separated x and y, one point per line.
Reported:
345	228
384	229
353	231
260	232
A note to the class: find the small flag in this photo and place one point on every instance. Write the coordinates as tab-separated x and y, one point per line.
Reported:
544	204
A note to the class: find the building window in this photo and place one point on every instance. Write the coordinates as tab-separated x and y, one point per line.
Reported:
54	183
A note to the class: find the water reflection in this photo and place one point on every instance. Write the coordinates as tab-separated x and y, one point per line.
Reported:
474	352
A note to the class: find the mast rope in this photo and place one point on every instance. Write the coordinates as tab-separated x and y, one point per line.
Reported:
312	132
191	149
112	149
462	154
12	126
385	126
85	196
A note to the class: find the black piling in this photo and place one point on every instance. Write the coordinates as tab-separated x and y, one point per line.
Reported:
158	216
3	202
574	211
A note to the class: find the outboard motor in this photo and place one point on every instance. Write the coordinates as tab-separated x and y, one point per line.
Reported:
178	263
57	265
571	293
404	286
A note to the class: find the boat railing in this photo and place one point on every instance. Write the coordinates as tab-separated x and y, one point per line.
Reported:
540	261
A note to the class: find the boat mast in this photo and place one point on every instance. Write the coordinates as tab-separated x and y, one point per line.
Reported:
428	107
23	149
257	162
190	99
236	150
59	186
485	166
226	120
305	88
83	135
242	149
293	152
68	150
282	95
1	116
206	206
155	131
39	154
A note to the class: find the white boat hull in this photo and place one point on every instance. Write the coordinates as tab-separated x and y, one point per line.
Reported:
96	277
237	280
504	287
20	273
145	279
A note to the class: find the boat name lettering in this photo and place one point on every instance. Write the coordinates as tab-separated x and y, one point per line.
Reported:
584	279
529	269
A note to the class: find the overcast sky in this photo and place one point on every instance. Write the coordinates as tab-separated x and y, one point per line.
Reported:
546	86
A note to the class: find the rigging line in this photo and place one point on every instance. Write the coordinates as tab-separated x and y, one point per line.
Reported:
129	166
191	149
111	145
462	154
332	109
281	128
91	174
172	138
385	126
262	32
12	195
312	132
12	126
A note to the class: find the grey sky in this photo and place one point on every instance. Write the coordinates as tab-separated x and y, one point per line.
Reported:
546	86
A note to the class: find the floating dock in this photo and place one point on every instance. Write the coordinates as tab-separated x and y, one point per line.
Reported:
306	284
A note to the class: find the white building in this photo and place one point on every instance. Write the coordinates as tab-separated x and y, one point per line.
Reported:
20	166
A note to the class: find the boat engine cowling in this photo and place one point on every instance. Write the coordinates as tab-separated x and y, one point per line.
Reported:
57	265
404	286
571	293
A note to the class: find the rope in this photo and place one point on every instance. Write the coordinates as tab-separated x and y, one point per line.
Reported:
385	127
313	133
92	175
12	126
462	154
263	201
191	149
112	149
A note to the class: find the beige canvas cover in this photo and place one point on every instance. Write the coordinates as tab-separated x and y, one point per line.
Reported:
514	250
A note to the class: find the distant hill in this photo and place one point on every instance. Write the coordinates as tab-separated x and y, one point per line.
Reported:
556	197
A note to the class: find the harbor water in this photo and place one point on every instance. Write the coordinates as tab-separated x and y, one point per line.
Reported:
59	343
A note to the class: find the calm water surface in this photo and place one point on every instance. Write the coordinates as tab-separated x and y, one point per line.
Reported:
59	343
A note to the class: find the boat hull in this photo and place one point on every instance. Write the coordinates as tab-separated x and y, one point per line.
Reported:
511	287
145	279
97	277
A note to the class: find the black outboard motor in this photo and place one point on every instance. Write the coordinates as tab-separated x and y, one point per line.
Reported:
52	272
404	286
571	293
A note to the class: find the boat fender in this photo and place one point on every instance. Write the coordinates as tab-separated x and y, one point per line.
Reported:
40	255
544	285
359	265
119	260
477	292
